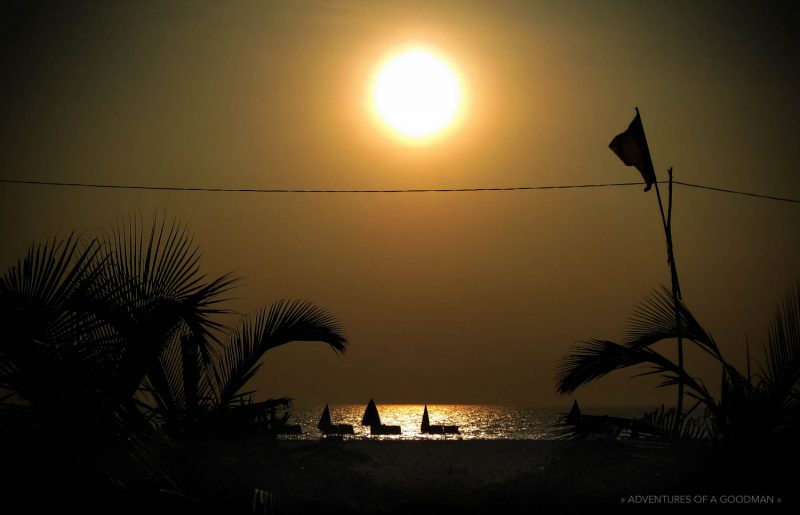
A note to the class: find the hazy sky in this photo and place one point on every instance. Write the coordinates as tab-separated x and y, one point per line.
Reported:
467	297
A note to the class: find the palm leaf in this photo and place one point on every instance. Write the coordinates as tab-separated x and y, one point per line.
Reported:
661	424
165	383
591	360
179	386
45	334
38	294
594	359
284	322
653	320
153	291
781	374
190	372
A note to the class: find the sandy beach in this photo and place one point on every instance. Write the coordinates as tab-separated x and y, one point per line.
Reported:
402	476
393	477
451	476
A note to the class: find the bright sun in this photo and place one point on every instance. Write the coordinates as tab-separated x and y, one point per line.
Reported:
417	94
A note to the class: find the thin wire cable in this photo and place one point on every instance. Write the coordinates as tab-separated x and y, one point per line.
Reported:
736	192
413	190
276	190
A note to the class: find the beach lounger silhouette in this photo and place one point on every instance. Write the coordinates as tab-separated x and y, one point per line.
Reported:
435	429
327	426
372	419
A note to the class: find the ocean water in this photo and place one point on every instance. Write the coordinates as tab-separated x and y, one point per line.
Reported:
483	422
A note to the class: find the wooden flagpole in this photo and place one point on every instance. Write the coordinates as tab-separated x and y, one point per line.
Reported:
645	165
676	294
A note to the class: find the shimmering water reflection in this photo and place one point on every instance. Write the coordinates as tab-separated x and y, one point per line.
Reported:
474	421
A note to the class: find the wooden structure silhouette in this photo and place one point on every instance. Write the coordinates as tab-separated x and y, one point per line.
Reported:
435	429
372	419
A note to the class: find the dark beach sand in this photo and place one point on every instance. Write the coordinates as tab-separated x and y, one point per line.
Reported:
434	476
489	476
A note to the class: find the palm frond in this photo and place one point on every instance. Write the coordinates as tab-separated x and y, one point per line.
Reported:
593	359
661	424
653	320
90	330
153	291
165	381
50	272
198	309
284	322
781	374
190	371
45	332
38	294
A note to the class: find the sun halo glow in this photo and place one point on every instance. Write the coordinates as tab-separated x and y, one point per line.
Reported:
416	94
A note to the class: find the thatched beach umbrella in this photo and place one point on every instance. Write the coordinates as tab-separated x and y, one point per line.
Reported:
371	416
426	422
574	415
325	421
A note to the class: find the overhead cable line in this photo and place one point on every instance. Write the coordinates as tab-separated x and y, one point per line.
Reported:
411	190
736	192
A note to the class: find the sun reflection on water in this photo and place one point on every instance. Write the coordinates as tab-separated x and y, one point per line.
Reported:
475	421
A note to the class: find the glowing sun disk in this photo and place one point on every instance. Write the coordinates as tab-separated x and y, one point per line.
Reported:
417	94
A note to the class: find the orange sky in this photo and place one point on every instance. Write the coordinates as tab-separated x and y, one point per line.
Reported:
467	297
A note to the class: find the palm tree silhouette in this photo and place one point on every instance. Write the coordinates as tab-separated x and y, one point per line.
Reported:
749	406
92	327
194	395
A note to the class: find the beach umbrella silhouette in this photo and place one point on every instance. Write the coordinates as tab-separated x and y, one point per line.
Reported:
371	416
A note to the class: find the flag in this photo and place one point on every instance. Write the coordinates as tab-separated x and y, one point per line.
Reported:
631	147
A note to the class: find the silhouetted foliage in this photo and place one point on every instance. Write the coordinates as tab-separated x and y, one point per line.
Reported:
107	338
748	408
193	395
89	324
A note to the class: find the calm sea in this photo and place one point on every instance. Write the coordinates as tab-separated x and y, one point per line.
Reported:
474	421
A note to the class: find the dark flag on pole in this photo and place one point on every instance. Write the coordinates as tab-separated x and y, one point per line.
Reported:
631	147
